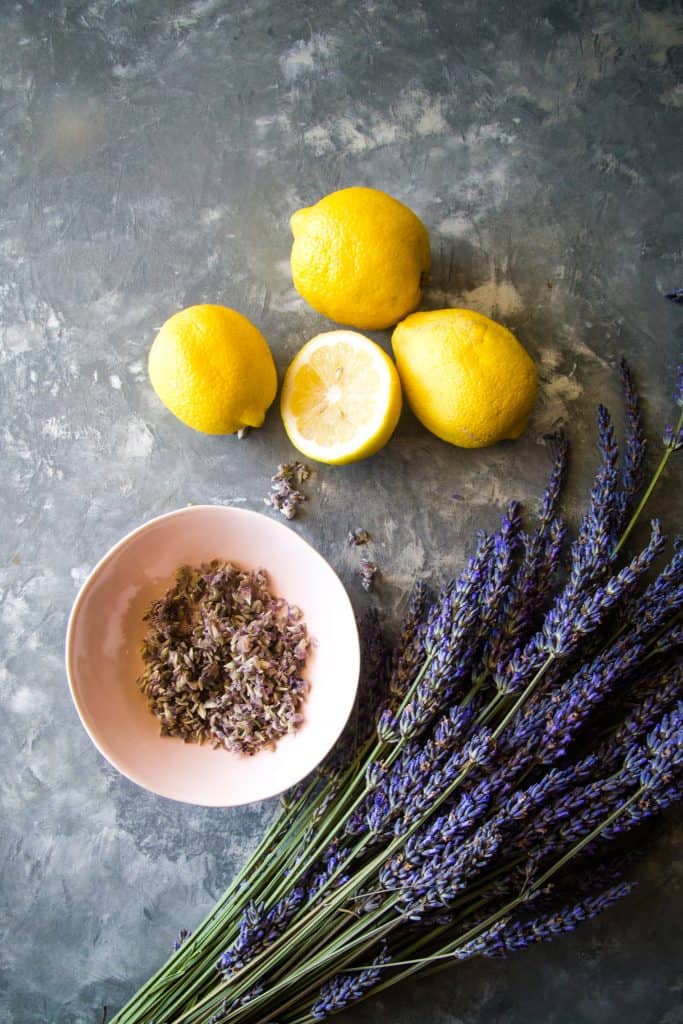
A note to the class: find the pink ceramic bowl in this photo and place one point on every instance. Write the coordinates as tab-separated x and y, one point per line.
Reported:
103	654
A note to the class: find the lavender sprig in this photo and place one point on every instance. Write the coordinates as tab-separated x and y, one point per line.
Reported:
671	439
635	451
506	936
258	928
344	989
535	575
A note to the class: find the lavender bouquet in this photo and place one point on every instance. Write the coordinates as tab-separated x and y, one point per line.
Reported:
506	749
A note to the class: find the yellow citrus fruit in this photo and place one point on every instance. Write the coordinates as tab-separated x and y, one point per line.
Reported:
359	257
341	398
213	369
466	377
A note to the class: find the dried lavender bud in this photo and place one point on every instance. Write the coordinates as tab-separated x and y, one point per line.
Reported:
258	928
633	471
224	659
357	538
675	296
656	694
344	989
183	935
368	571
533	581
284	497
505	936
409	653
672	439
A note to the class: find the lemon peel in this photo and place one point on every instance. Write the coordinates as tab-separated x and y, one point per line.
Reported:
466	377
213	369
359	257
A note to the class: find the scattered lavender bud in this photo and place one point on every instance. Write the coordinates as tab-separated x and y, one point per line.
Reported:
183	935
672	439
284	497
675	296
357	538
368	571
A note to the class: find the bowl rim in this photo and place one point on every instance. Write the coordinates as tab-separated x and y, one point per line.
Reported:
81	596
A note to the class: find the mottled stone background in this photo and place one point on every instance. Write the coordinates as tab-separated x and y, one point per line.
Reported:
150	156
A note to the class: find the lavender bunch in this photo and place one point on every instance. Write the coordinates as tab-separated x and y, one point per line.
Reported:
520	732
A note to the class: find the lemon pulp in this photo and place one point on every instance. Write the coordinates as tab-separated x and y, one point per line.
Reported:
341	398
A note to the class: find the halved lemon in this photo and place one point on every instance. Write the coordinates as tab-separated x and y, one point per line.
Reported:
341	398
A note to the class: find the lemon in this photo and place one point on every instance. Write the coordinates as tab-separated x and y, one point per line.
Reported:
359	257
341	398
213	369
466	377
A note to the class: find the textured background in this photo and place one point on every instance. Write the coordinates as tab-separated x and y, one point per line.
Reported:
151	154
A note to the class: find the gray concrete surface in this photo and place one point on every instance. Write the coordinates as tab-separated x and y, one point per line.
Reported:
150	156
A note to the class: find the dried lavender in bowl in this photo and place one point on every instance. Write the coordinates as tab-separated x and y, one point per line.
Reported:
224	659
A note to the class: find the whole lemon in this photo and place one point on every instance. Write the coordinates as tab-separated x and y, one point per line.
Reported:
213	369
359	257
466	377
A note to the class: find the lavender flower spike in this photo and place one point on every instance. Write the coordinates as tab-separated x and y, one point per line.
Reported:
633	471
503	937
344	989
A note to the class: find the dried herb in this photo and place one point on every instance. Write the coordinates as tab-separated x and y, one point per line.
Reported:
357	538
224	659
367	571
284	496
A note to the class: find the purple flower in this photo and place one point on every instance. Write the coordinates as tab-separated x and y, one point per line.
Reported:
346	988
633	471
508	935
258	928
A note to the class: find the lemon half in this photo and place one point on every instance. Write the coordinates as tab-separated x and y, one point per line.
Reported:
341	398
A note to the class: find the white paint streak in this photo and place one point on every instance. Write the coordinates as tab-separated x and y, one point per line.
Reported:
306	56
456	226
56	428
416	114
14	611
24	701
79	574
139	440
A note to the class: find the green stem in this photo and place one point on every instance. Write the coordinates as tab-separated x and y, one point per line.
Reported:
146	998
650	488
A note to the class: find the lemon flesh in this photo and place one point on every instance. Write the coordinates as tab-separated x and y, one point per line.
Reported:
359	257
213	369
341	398
466	377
